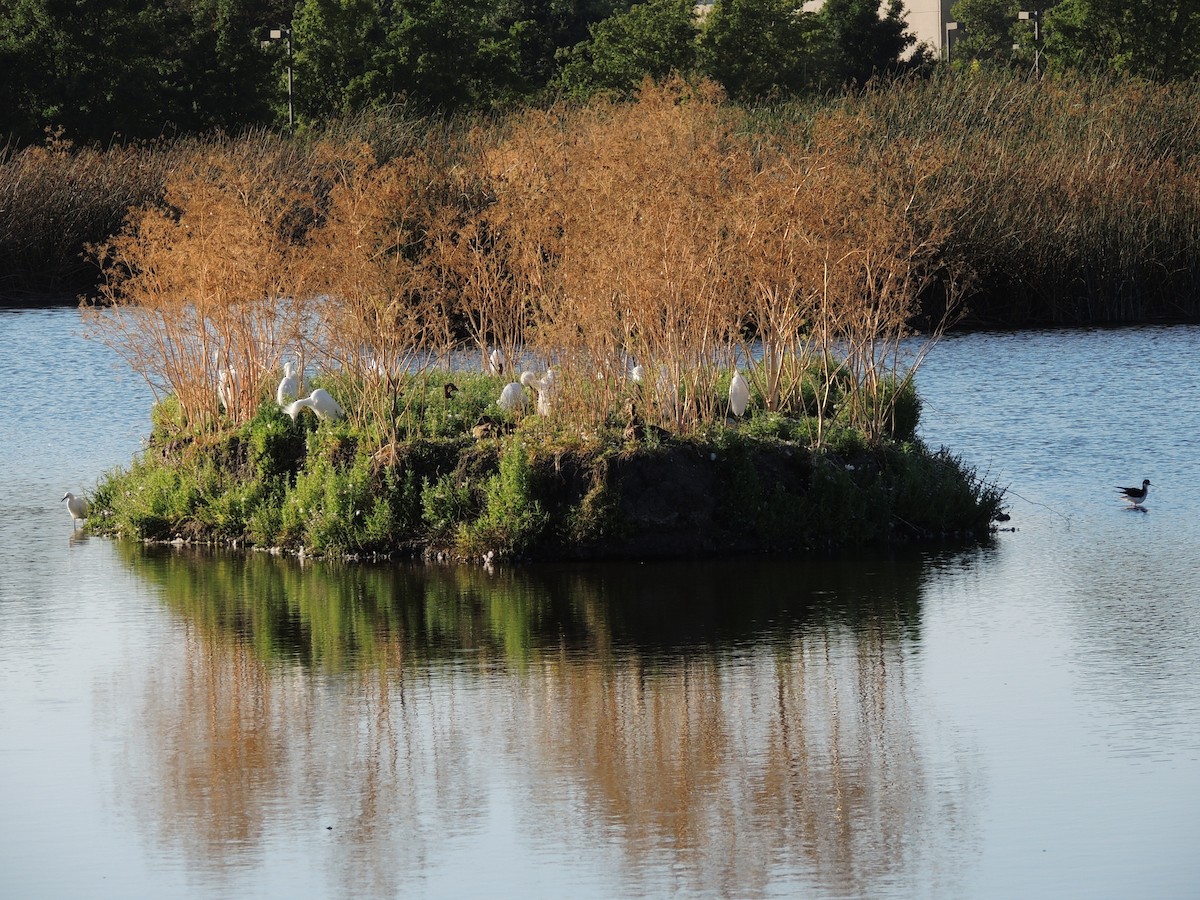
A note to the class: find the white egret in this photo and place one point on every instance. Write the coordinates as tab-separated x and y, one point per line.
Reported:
739	394
1136	496
513	397
289	386
320	402
76	506
545	388
495	364
226	380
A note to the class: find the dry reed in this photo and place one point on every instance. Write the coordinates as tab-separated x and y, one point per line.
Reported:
675	232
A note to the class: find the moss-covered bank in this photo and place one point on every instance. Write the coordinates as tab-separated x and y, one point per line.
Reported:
482	485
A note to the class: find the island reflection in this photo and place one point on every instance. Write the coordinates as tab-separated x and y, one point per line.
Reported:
707	726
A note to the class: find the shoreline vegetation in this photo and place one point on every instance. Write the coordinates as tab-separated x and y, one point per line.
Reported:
1073	199
520	486
612	269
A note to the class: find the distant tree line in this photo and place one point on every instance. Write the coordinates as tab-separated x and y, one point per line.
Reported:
95	70
98	70
1154	39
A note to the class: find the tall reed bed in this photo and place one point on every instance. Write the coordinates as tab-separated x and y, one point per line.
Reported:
584	239
679	233
56	198
1084	192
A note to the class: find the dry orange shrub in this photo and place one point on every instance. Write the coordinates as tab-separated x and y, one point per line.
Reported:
201	295
381	317
585	238
618	211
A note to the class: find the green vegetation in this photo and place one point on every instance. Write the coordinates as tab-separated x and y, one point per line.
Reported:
104	71
329	488
101	71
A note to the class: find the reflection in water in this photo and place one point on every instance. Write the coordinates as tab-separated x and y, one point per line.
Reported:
682	726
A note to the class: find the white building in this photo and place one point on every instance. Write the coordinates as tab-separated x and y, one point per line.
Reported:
926	19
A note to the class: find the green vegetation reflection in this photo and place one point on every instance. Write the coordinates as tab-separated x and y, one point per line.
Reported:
337	617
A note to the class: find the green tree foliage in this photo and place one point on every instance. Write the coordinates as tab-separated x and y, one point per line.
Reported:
438	54
540	29
99	68
1157	39
336	42
758	48
865	38
650	39
987	31
87	66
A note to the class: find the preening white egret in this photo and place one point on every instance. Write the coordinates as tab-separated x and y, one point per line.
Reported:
320	402
289	386
513	397
76	506
739	394
545	388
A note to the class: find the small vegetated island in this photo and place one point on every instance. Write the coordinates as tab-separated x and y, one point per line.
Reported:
612	329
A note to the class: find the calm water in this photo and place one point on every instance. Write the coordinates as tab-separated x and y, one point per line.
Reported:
1020	719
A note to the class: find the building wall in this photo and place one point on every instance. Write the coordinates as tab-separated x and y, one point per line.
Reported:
926	18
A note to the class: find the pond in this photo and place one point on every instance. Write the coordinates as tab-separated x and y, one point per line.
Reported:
1015	719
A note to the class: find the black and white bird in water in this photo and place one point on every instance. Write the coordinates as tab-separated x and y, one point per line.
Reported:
1136	496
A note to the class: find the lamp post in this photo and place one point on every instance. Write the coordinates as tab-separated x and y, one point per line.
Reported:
1035	16
286	33
951	34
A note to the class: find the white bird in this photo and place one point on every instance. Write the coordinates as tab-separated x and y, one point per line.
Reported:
320	402
739	394
1136	496
545	390
513	397
495	362
289	386
77	507
226	380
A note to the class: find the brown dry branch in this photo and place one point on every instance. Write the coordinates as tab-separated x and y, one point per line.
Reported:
201	295
381	318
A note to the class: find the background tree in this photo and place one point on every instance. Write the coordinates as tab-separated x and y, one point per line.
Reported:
336	42
91	67
1157	39
650	39
446	54
539	30
864	38
987	31
224	75
758	48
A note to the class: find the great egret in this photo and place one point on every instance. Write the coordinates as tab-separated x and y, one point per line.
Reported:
320	402
76	506
226	380
545	388
739	394
289	386
495	363
1136	496
513	397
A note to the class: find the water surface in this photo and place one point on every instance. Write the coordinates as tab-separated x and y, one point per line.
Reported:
1016	719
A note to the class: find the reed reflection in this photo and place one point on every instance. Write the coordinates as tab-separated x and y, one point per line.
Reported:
730	724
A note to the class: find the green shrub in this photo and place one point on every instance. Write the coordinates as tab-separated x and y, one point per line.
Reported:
447	503
512	518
